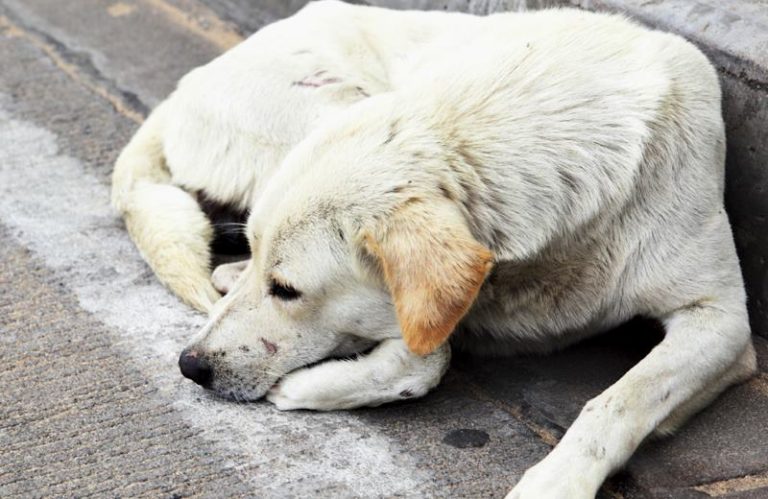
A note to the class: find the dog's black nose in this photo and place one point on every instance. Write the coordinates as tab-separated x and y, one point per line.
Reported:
195	367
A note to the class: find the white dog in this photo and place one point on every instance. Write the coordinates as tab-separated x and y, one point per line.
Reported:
516	182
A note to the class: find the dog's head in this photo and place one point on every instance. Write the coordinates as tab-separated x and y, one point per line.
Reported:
338	256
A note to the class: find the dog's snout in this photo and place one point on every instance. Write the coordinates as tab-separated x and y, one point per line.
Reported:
194	366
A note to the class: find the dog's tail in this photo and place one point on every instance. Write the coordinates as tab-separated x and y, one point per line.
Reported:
166	223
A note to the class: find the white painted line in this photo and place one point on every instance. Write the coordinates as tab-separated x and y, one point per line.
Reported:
59	211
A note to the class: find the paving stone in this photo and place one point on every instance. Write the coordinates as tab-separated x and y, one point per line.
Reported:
142	49
49	447
35	88
726	440
486	470
552	389
760	493
249	16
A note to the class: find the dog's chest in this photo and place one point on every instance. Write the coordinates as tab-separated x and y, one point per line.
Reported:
535	303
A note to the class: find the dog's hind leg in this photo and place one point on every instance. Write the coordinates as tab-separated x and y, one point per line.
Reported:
703	343
166	223
390	372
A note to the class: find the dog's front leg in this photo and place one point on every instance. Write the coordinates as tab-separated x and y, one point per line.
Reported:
706	348
390	372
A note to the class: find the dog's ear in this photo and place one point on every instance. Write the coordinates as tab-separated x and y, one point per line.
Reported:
433	267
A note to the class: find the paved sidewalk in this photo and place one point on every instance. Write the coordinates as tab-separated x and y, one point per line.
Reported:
91	400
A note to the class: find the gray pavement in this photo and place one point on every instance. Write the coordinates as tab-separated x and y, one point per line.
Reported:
92	403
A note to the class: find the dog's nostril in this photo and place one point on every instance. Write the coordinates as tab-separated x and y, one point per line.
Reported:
195	367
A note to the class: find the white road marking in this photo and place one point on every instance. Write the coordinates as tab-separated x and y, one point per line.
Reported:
58	210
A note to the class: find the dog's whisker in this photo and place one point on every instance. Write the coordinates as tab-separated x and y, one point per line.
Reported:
238	224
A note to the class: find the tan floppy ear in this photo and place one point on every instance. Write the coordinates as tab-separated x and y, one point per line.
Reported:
434	269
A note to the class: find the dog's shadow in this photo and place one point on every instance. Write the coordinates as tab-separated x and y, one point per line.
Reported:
498	416
552	388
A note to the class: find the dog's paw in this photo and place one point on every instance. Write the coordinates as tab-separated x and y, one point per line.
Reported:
308	389
292	392
389	373
224	276
337	385
553	483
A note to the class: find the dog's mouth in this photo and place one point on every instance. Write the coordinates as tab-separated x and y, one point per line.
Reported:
250	393
239	389
236	394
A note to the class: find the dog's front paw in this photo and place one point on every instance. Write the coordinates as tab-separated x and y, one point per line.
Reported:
297	391
390	372
551	483
325	387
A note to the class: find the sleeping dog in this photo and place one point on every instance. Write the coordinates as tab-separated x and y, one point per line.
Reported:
515	183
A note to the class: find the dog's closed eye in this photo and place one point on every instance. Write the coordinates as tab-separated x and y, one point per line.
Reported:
283	291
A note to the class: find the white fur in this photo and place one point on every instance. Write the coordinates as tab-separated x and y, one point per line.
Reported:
225	276
390	372
586	153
